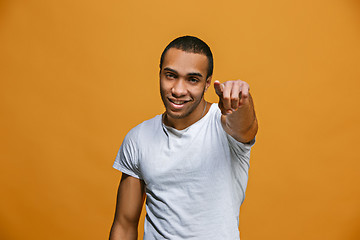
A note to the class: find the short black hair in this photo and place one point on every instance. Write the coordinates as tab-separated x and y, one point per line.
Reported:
192	45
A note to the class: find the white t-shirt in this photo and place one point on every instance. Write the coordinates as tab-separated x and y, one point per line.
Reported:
195	178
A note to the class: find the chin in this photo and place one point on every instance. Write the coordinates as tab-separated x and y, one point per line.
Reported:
177	115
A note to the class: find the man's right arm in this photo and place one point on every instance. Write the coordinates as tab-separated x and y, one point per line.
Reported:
130	199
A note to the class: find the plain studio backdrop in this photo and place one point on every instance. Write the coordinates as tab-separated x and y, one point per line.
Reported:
76	76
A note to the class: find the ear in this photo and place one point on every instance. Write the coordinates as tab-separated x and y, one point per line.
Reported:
208	83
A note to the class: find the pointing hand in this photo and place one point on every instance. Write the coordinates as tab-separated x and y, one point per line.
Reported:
232	95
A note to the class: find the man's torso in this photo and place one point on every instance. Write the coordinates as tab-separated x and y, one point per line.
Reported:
195	178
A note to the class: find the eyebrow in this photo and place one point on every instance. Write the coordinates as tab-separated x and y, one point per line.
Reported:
195	74
189	74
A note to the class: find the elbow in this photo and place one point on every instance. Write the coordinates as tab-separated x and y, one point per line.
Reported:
120	230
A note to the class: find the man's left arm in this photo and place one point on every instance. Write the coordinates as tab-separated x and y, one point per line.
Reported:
238	114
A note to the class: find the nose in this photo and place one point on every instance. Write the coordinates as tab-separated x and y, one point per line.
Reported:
179	88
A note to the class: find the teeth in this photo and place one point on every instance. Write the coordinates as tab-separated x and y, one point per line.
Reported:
177	102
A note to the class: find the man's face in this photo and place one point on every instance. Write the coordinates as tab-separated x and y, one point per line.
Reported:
183	83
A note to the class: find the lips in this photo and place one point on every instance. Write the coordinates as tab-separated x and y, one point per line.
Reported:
177	104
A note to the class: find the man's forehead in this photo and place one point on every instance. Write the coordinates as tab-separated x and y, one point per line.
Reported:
187	61
179	52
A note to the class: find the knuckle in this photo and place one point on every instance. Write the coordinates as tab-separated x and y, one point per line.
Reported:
226	98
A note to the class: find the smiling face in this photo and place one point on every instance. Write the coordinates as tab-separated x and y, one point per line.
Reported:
182	85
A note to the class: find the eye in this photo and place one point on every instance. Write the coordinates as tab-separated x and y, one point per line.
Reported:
170	75
193	80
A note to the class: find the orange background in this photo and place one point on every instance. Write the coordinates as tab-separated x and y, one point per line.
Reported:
76	76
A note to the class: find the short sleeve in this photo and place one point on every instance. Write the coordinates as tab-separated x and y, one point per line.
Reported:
239	146
239	149
126	159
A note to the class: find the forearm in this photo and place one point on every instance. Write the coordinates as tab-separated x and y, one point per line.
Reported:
121	232
242	123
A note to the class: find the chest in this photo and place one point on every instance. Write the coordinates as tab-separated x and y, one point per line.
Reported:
180	160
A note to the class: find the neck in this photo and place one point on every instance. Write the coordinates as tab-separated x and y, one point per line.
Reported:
187	121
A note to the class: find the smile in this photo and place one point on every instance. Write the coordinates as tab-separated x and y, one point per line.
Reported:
177	103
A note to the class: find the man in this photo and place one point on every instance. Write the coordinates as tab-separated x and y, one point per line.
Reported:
190	163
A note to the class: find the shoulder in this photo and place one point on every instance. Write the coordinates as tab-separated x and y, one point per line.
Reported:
143	129
134	139
214	111
215	114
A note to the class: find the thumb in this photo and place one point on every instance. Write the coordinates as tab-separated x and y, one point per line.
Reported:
219	88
